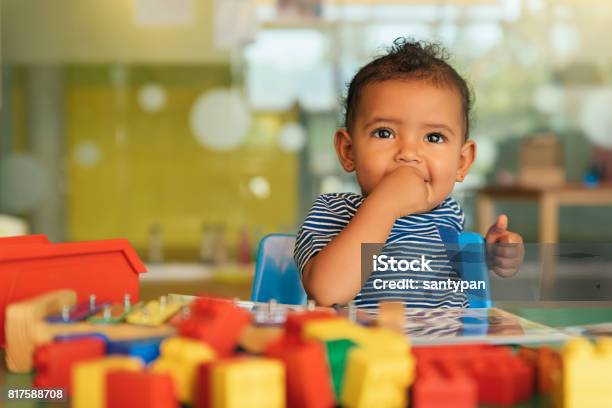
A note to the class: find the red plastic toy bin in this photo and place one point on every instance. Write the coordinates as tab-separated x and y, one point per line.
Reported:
32	265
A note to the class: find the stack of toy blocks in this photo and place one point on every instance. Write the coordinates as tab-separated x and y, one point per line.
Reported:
365	367
471	374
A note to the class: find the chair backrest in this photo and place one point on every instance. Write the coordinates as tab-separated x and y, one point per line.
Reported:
277	277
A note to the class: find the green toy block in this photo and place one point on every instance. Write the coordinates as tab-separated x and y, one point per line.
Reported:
337	352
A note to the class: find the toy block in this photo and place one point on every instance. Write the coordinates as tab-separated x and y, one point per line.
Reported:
242	383
294	325
547	363
88	379
180	357
376	378
53	362
203	396
139	389
308	382
441	385
255	339
391	316
585	380
217	322
145	349
504	379
337	353
34	266
26	328
154	313
77	313
386	339
334	329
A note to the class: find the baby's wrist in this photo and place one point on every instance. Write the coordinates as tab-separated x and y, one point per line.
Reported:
384	207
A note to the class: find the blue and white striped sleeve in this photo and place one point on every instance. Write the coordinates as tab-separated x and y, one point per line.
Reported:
325	220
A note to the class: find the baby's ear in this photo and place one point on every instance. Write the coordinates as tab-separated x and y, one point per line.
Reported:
467	157
344	149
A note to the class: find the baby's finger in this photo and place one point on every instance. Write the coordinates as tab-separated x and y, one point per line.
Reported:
505	272
506	251
510	238
505	263
502	222
497	230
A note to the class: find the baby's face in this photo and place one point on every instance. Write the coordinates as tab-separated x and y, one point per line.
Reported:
409	123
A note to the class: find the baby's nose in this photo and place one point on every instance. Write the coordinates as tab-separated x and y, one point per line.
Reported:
407	153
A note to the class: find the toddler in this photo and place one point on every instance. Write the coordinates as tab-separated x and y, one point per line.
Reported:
405	136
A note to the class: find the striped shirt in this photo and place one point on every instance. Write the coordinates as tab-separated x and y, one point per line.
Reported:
411	237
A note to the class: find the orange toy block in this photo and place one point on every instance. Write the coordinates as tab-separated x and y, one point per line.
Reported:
309	384
139	389
31	266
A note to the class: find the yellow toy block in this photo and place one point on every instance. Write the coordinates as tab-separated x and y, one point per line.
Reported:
585	380
180	357
335	329
88	379
376	378
256	382
380	338
155	312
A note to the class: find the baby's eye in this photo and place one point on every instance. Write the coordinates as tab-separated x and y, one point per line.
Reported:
383	133
435	138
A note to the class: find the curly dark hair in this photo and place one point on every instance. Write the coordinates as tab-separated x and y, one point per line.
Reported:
408	59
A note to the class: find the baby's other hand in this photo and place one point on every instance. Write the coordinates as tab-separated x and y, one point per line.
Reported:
404	191
505	248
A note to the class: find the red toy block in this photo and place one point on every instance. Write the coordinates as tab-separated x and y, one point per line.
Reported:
502	377
54	361
217	322
139	389
308	382
31	265
203	397
444	385
297	320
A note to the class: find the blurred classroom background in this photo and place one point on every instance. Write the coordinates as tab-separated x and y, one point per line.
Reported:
195	127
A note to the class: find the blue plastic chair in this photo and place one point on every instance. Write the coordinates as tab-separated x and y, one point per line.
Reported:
277	277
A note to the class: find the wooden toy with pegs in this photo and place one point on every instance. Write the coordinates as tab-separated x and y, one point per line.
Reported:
155	312
79	312
115	313
26	328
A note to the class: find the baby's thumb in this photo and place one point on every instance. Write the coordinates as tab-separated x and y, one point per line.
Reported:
502	223
498	229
